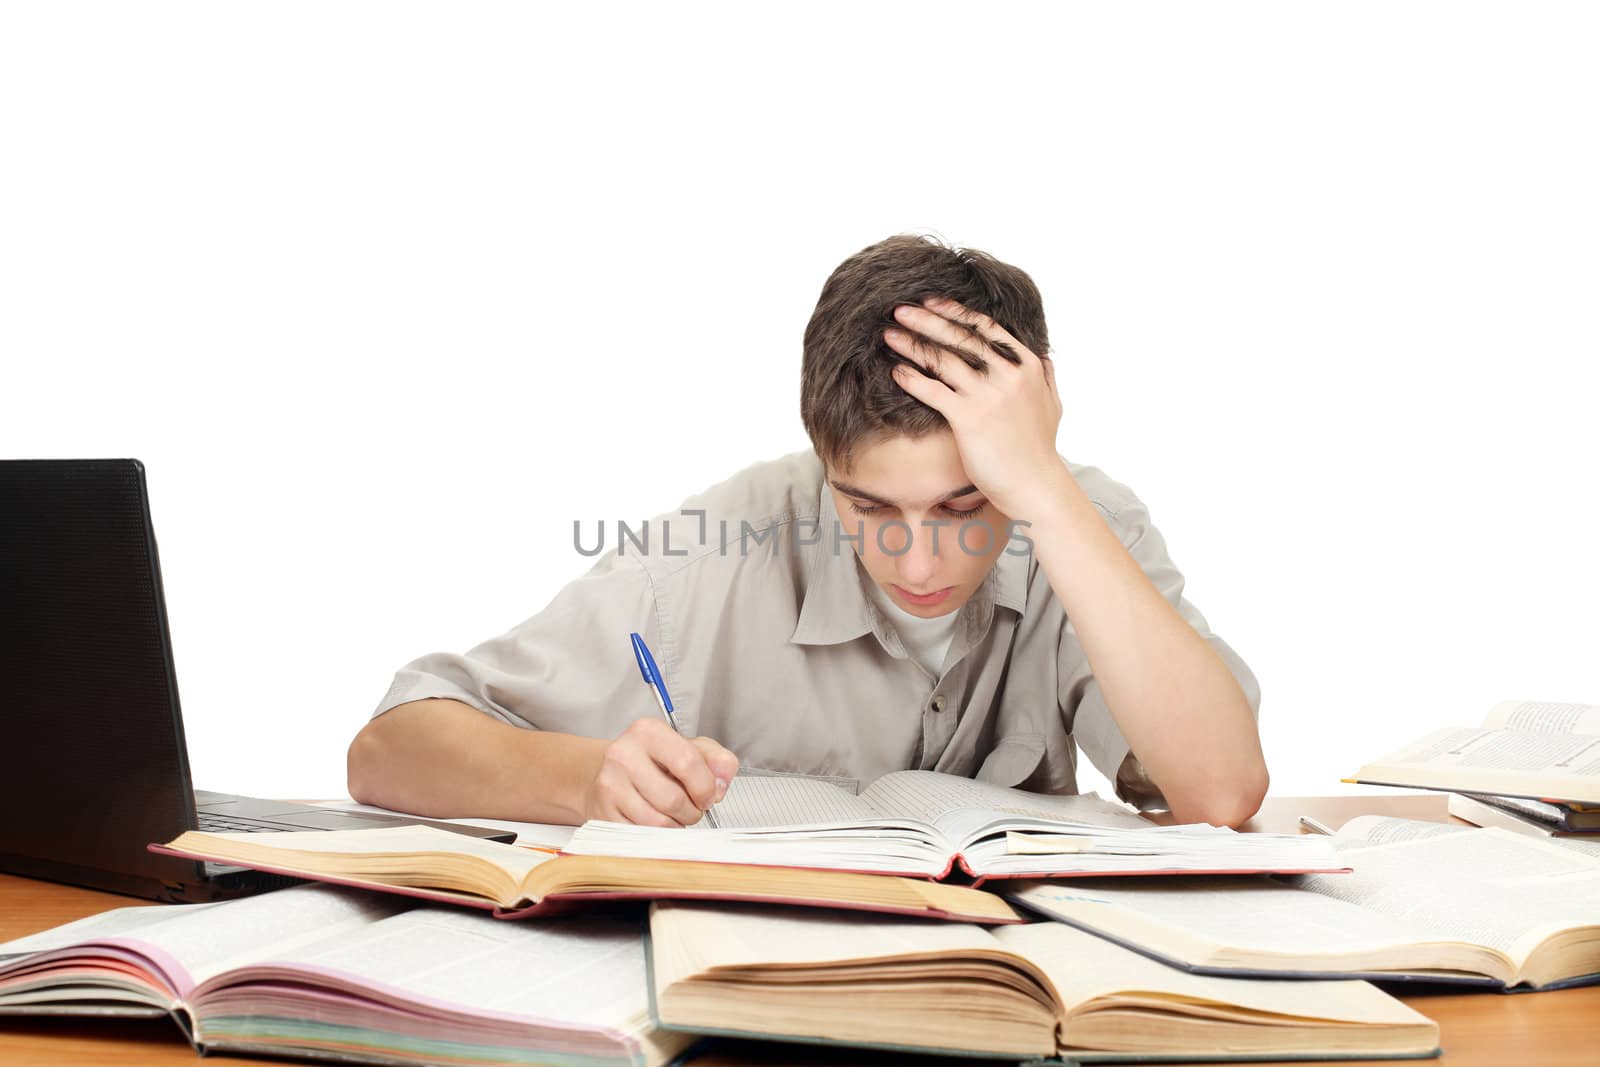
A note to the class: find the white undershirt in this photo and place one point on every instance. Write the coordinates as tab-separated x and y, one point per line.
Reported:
926	639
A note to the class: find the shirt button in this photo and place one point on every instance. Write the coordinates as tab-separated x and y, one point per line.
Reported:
938	702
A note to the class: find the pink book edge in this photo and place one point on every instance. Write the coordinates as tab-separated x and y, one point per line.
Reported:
981	879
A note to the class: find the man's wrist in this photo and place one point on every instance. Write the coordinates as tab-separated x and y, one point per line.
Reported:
1036	500
556	772
1058	506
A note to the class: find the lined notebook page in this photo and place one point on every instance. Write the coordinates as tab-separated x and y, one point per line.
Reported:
926	795
761	800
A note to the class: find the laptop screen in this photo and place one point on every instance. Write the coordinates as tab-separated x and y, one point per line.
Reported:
94	759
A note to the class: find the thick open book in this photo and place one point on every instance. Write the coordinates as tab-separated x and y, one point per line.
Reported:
1524	748
1034	991
329	973
926	824
1427	901
517	882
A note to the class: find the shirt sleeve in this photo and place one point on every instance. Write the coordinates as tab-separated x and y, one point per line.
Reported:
570	668
1083	706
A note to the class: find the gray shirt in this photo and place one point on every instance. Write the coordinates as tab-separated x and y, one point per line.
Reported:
752	598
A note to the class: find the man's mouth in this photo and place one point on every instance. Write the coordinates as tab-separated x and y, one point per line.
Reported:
923	599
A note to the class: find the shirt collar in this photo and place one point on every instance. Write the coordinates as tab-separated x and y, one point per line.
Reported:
835	606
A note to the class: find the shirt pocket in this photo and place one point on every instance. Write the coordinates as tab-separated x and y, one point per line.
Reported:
1012	760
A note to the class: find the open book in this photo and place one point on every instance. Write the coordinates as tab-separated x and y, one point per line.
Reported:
328	973
1428	901
1035	991
1524	748
516	882
924	823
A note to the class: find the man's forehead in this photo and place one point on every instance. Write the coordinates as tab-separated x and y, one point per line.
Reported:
901	469
912	487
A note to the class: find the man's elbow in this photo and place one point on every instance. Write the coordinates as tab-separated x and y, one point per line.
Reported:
1227	802
364	765
1245	799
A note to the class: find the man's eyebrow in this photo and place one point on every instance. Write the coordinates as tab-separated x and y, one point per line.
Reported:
850	490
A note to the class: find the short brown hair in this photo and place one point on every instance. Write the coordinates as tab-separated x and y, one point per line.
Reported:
848	395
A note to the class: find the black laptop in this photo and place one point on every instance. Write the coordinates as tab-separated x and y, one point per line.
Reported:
92	759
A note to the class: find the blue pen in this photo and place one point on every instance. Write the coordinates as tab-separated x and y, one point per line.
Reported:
658	686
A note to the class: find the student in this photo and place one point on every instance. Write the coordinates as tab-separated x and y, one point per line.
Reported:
840	611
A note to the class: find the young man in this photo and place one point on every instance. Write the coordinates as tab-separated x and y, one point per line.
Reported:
930	586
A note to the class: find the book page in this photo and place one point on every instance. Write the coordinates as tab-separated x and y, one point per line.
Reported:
1383	830
755	801
540	834
1083	967
793	821
1534	751
1188	847
414	840
1544	716
578	972
1578	844
1526	762
847	977
752	935
1485	886
204	939
882	846
1188	918
936	798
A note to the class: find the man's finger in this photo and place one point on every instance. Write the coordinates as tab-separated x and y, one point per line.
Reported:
988	332
961	337
932	392
686	763
663	793
633	807
1050	378
724	764
955	369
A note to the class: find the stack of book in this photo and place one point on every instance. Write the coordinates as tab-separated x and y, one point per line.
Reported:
1532	767
929	913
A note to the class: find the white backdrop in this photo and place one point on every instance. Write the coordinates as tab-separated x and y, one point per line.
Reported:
386	295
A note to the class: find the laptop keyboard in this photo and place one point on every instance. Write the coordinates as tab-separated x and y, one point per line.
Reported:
233	824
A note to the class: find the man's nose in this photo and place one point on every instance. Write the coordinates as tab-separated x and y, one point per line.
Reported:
918	563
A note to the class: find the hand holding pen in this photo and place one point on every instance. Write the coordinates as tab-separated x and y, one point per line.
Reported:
654	776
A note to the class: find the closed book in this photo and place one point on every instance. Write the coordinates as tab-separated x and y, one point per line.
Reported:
1523	815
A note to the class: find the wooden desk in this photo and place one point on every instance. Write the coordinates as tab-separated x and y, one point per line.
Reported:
1559	1029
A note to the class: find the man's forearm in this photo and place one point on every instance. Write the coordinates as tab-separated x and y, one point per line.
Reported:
1173	697
444	759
